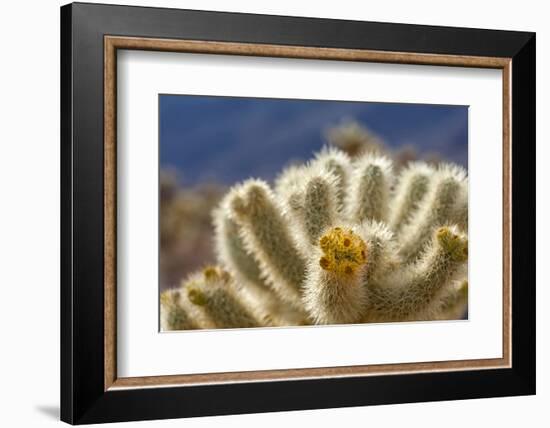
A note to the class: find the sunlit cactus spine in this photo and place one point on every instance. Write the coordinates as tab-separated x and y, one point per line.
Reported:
413	292
414	182
369	190
337	240
175	313
310	201
439	207
334	290
267	238
208	299
247	274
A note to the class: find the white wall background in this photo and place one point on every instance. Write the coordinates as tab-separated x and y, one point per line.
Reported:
29	213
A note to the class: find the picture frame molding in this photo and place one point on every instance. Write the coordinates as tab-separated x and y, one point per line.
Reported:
90	389
114	43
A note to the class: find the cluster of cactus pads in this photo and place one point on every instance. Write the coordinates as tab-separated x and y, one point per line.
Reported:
333	241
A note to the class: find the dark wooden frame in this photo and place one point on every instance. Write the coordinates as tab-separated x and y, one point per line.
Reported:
90	35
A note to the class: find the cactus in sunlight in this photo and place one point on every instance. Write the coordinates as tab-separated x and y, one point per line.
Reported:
334	291
335	240
173	315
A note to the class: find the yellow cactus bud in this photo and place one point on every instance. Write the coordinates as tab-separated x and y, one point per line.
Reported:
344	252
452	244
196	296
210	273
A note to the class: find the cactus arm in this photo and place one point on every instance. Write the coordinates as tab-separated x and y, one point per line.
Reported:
269	309
267	236
320	206
436	210
411	189
173	315
336	162
411	293
382	251
334	291
460	211
213	293
287	181
370	185
230	248
312	207
454	302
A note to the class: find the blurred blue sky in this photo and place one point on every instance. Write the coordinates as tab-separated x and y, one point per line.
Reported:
228	139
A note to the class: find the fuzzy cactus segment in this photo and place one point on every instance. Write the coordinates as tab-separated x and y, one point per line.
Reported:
382	251
338	240
413	184
436	209
268	239
212	299
454	302
311	204
173	315
339	164
370	185
214	296
460	214
411	292
319	207
334	291
231	249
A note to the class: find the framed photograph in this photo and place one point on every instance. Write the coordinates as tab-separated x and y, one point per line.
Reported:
266	213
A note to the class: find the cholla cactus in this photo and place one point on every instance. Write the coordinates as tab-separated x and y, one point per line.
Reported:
335	241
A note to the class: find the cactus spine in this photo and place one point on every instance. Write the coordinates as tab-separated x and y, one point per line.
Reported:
334	291
337	241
